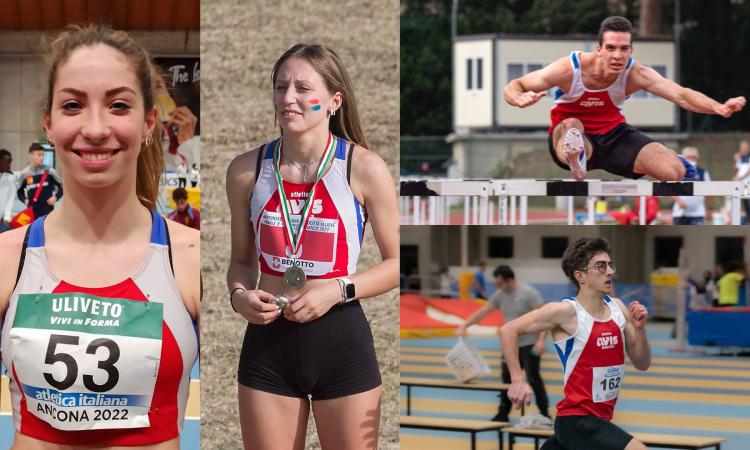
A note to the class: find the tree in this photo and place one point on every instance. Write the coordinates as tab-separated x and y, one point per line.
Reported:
650	20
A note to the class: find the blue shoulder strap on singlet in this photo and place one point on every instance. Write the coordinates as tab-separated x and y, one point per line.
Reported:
565	354
340	148
36	233
607	298
574	57
158	229
270	148
630	61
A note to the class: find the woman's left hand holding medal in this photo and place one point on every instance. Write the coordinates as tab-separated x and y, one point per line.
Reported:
256	306
312	303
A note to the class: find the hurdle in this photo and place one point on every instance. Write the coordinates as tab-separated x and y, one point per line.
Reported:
424	201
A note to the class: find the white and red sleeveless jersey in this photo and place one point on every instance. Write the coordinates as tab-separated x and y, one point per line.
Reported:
105	366
333	236
593	361
600	110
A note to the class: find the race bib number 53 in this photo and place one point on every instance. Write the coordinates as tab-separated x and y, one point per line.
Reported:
607	382
86	362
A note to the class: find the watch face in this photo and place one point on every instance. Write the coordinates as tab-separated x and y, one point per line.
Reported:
350	290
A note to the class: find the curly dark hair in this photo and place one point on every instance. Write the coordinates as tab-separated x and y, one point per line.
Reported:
579	253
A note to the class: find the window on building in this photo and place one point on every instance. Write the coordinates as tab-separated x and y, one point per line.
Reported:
517	70
667	251
500	247
409	258
729	249
479	74
474	74
661	70
533	67
554	246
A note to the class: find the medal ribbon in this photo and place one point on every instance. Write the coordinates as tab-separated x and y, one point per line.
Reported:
294	237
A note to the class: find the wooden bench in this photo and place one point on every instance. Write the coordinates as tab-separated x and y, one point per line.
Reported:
450	384
648	439
469	426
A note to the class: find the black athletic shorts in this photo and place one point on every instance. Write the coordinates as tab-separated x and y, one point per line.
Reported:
330	357
614	151
586	433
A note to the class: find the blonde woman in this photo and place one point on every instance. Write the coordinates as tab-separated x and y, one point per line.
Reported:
299	206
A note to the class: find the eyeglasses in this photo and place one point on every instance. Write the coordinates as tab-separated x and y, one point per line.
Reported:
601	266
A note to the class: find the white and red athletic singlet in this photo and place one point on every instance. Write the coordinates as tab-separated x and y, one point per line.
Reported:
332	239
593	361
67	389
599	110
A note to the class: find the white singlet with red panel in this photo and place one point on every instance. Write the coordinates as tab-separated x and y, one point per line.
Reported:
103	366
332	239
593	361
600	110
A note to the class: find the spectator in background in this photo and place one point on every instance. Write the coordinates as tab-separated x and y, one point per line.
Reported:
7	189
703	291
712	292
478	287
184	213
630	216
31	178
194	175
691	210
181	172
729	284
742	164
515	299
446	283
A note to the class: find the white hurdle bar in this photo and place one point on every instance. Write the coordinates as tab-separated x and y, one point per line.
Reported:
477	193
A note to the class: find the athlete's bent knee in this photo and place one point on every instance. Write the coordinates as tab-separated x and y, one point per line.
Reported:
635	444
674	172
572	122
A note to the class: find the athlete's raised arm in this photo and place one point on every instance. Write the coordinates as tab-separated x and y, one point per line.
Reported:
646	78
636	342
528	89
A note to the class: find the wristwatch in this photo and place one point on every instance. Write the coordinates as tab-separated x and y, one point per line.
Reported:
347	290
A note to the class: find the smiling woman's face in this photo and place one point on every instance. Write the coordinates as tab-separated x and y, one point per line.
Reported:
97	120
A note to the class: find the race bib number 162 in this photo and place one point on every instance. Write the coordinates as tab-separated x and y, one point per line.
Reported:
86	362
607	382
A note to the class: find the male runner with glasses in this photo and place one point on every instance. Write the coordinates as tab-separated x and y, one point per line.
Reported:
590	332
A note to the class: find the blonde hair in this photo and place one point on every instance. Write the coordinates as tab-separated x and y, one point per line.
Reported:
151	159
326	62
